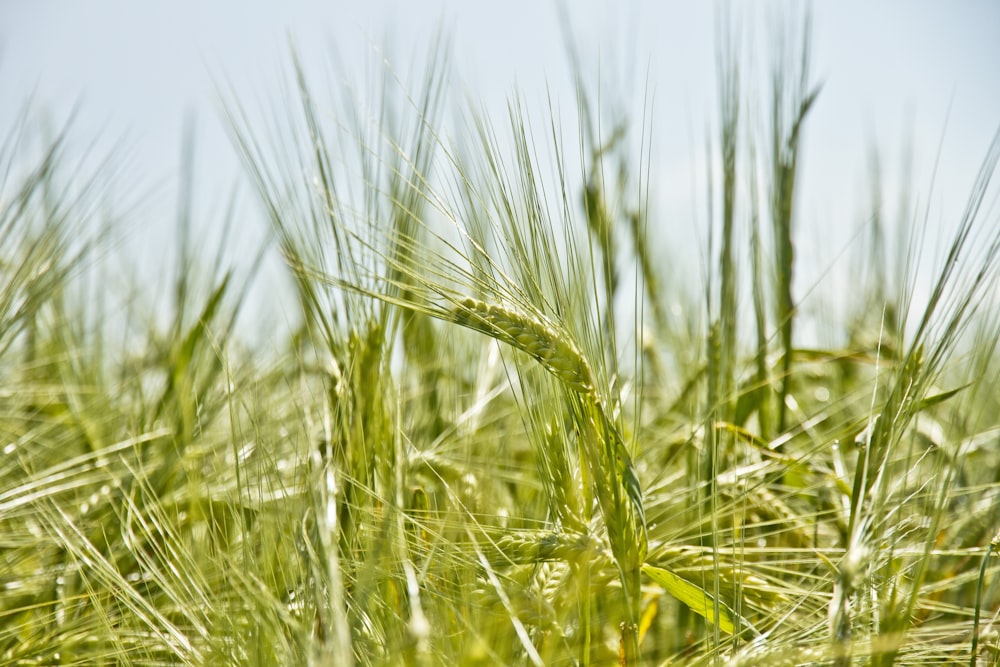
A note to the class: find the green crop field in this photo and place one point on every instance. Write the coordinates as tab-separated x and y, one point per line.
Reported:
499	433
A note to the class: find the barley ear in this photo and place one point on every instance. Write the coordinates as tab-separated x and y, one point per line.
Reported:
530	334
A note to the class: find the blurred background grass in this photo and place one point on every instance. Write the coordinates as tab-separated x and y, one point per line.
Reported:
897	78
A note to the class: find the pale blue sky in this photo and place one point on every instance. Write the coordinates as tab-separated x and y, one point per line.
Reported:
891	72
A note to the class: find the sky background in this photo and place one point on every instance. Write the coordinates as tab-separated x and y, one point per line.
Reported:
913	73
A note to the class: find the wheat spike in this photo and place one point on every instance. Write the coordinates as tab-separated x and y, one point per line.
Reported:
531	335
530	547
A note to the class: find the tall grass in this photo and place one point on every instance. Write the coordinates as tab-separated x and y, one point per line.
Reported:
466	454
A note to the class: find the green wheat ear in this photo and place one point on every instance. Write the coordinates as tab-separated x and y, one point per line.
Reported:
531	335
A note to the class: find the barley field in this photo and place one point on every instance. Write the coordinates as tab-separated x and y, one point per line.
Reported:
499	433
